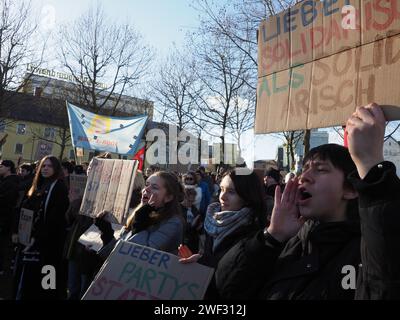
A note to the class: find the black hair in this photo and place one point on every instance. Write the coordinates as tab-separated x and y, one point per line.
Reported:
250	190
9	164
340	158
338	155
79	169
68	166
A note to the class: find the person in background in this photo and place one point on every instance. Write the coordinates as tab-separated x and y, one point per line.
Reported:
190	181
8	200
85	166
194	223
205	193
78	169
68	169
48	199
207	179
271	180
216	189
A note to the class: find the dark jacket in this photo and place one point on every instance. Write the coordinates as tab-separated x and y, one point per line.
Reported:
379	199
49	228
211	258
192	232
8	200
49	232
310	265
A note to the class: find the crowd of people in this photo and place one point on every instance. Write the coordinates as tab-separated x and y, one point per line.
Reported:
264	237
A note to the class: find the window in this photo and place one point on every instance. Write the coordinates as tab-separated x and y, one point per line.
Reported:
71	154
2	125
21	128
19	148
49	133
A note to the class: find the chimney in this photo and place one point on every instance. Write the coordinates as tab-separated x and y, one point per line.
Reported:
37	91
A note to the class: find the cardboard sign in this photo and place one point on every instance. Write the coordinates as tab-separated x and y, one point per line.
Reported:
109	188
25	226
135	272
77	185
317	64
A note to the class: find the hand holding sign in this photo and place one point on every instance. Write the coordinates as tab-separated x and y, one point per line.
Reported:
285	219
366	129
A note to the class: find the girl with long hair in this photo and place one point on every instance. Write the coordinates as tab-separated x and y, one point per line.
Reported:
48	199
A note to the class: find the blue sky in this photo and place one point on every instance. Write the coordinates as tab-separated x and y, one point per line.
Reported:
161	22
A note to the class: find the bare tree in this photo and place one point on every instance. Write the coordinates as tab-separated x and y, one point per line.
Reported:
60	136
106	59
242	119
237	22
18	32
176	89
290	140
222	71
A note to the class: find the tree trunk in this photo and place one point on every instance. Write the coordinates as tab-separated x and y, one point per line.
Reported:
288	154
62	145
223	146
293	161
306	141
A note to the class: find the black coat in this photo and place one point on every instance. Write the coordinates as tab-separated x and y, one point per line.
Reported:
379	277
49	231
8	200
211	258
310	265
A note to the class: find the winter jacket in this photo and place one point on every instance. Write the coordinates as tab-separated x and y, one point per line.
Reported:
8	200
49	232
49	227
313	264
309	266
379	201
165	236
211	258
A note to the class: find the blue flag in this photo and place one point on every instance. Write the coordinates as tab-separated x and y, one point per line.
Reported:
103	133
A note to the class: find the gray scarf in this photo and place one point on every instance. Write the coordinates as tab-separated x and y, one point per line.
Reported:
219	224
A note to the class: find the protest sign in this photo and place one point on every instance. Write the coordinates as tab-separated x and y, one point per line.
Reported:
109	188
319	60
77	185
135	272
25	226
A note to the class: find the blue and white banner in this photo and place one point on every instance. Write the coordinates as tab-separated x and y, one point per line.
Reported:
102	133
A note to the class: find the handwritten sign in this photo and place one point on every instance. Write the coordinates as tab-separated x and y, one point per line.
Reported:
25	226
319	60
77	185
134	272
109	188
